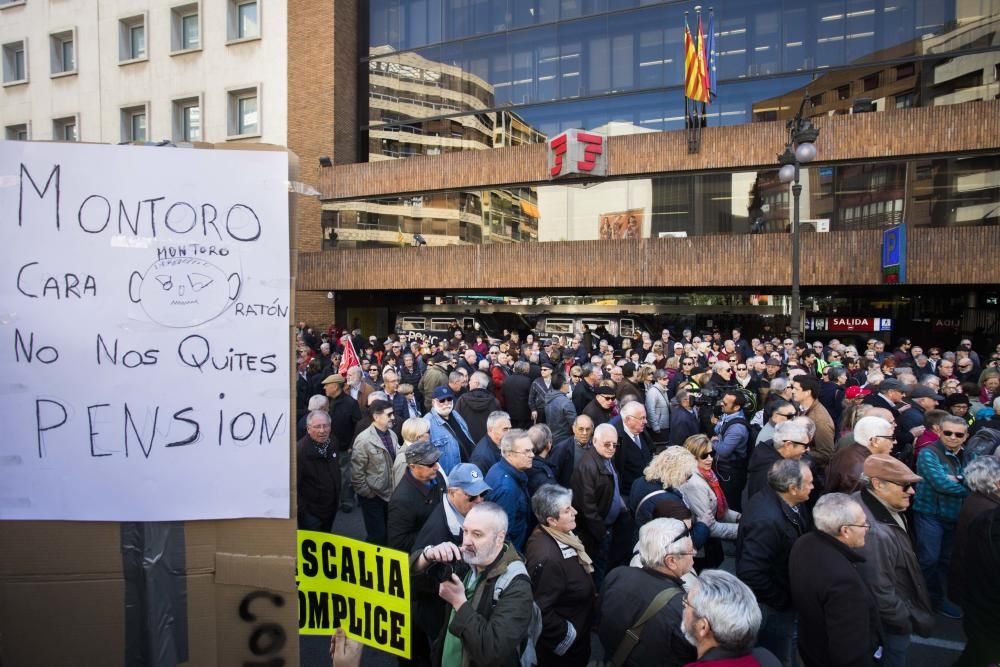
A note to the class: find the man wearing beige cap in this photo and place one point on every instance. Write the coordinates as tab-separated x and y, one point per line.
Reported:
891	569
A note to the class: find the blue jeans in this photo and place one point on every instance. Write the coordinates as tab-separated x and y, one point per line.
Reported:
375	512
779	634
894	648
935	541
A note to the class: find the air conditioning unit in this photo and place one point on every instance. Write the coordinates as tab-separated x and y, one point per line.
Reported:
672	235
817	225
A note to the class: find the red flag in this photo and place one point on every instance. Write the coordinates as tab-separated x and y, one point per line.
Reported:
350	358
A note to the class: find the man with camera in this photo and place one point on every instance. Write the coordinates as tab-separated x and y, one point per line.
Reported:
466	488
489	591
732	434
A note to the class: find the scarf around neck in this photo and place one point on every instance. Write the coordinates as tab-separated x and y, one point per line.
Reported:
572	541
720	497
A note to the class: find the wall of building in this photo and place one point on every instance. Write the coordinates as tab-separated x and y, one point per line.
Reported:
102	86
947	256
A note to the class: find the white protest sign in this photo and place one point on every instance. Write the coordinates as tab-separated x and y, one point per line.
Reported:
144	298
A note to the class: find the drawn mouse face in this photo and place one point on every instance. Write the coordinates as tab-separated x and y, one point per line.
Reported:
184	291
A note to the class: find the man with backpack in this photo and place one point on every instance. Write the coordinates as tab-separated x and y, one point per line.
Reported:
493	609
646	603
732	435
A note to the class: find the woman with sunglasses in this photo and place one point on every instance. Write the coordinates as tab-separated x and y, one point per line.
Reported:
703	494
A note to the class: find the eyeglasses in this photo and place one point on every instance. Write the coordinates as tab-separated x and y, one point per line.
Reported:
786	415
705	455
530	453
796	442
886	437
741	368
685	533
478	496
905	486
866	526
685	602
954	434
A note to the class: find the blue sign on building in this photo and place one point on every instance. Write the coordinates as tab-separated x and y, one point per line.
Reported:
894	255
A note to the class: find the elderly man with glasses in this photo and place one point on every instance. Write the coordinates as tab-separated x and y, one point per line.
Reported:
938	502
598	497
872	435
508	479
838	618
630	593
790	441
890	569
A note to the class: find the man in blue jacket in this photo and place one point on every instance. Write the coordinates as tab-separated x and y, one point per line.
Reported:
508	480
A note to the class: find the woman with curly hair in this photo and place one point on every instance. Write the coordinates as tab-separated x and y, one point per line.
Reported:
662	478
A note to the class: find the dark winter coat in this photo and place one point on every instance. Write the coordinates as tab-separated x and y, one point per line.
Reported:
565	593
838	618
626	594
768	529
515	397
411	503
475	407
593	487
317	480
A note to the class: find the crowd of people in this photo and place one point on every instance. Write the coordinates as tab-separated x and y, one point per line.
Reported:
551	488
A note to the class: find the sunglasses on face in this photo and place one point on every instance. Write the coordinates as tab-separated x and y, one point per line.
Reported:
705	455
741	368
954	434
906	487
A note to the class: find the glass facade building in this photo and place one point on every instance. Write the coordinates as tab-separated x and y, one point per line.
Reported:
584	63
453	75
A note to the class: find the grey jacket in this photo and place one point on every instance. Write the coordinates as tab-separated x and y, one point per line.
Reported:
559	415
371	465
658	408
892	572
702	502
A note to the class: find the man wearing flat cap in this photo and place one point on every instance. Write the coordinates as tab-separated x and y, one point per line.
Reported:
891	569
599	409
416	495
922	400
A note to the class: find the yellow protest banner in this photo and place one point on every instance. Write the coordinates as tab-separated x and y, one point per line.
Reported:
360	587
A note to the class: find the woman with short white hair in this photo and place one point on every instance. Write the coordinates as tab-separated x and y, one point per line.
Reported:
982	476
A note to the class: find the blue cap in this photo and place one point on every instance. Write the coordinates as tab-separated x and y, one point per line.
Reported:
443	392
469	478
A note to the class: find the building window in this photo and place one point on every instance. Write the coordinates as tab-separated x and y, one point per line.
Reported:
134	123
187	119
244	112
816	100
15	62
185	28
65	129
244	19
18	132
870	82
905	70
132	38
62	52
844	92
906	100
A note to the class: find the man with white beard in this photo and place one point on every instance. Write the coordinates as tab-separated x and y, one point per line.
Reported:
492	603
449	432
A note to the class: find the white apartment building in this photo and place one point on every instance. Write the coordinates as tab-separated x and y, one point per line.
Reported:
113	71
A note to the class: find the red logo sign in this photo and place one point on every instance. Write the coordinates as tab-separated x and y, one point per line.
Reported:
577	152
594	148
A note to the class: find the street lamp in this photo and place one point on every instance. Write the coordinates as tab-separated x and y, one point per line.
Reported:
800	149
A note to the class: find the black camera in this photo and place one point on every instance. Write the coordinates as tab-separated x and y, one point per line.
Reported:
440	572
706	397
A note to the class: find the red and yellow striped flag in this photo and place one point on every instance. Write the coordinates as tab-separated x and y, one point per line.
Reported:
695	65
